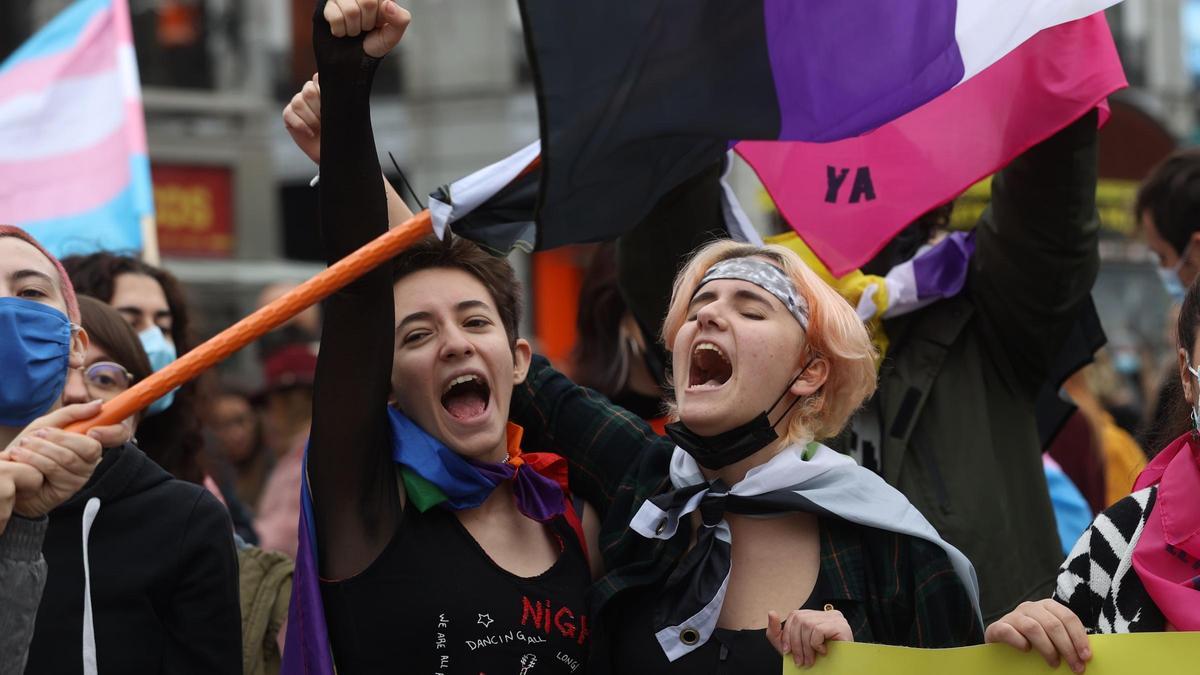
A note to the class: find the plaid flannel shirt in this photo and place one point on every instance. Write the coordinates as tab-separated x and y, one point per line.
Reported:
893	589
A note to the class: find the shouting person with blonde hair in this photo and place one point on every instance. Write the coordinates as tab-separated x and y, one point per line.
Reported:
741	536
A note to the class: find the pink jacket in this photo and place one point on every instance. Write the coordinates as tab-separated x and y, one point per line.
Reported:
279	506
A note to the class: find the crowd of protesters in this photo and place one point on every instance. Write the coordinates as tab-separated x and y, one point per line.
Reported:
725	470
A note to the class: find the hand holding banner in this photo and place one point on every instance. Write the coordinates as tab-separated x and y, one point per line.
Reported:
1111	655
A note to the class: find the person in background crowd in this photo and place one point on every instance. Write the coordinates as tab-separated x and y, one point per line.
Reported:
1125	382
266	589
287	398
1163	418
1161	393
115	361
153	303
1072	515
1167	207
158	592
766	359
112	363
1134	569
1123	457
238	443
304	328
611	353
1077	452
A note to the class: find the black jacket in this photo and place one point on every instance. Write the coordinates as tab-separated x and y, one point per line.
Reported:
955	412
162	573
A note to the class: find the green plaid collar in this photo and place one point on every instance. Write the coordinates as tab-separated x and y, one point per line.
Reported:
842	563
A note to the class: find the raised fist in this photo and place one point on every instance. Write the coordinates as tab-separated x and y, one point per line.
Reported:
382	22
302	117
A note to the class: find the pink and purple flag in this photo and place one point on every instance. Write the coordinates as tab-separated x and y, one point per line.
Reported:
74	169
637	96
847	199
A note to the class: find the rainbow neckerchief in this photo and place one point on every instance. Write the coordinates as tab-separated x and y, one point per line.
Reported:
433	476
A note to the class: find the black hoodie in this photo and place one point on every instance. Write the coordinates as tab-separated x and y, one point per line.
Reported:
162	572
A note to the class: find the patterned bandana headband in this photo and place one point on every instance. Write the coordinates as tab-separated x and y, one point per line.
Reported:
767	277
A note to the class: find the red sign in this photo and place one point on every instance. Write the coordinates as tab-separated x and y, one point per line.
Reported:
194	208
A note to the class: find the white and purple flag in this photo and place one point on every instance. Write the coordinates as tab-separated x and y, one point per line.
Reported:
74	169
637	96
848	198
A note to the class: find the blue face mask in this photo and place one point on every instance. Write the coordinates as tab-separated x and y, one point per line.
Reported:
35	353
161	354
1127	362
1171	283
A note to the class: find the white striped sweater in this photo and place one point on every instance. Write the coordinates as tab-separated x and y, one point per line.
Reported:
1097	581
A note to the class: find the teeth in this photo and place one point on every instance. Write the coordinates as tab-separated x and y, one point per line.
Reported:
459	380
710	346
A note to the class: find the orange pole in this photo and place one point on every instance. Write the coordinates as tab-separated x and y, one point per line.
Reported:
249	329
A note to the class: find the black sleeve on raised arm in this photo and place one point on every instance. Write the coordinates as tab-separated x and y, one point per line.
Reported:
355	500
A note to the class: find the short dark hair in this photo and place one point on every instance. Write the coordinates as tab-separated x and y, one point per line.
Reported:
1171	195
494	273
107	328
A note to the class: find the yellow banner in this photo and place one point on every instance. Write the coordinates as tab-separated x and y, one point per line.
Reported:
1114	202
1150	653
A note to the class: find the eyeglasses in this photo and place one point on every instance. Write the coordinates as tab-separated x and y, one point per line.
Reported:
105	378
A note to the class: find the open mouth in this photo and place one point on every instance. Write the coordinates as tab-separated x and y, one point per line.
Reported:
466	397
710	368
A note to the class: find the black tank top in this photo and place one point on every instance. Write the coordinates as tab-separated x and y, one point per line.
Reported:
434	602
635	651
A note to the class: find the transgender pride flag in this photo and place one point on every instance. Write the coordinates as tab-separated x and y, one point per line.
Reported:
73	164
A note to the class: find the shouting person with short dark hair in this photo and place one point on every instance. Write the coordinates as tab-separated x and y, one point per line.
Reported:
472	556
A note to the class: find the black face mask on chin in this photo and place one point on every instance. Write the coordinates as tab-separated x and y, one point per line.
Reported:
730	447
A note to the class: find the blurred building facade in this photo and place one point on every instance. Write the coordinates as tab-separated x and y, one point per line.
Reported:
234	206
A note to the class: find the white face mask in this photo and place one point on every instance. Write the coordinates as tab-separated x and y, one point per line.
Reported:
1169	276
1196	391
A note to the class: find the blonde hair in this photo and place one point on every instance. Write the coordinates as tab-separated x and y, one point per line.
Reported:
835	334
